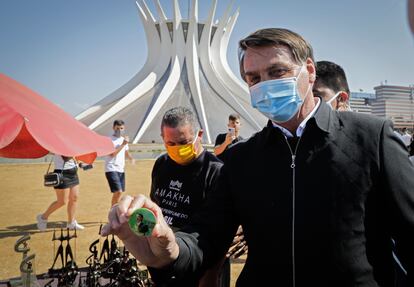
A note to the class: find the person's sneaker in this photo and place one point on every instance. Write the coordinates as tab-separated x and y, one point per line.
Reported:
41	223
74	225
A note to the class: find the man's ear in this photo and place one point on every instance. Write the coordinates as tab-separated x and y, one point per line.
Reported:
200	133
344	96
310	66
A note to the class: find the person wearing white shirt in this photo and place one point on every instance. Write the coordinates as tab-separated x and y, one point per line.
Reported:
115	162
66	192
406	137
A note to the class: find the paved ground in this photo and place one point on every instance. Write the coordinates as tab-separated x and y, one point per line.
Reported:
23	197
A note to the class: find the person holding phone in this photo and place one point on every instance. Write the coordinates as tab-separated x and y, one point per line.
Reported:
225	140
115	162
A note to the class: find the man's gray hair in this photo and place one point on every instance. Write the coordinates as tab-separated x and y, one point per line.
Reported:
300	48
179	116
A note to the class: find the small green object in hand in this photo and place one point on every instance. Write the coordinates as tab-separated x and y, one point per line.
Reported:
142	222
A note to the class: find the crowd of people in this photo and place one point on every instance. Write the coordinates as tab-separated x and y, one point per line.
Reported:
325	193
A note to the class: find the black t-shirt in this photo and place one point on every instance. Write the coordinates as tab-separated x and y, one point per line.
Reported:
180	190
220	139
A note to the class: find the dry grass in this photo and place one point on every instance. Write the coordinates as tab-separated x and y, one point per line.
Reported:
24	197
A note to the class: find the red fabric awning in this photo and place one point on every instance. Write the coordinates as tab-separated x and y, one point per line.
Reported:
32	126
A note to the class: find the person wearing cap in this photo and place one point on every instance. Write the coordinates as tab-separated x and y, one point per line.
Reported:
320	194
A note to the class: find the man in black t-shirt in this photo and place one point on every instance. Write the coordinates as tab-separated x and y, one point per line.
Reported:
223	141
182	179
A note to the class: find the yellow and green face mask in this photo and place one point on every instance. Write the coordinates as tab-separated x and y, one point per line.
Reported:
183	154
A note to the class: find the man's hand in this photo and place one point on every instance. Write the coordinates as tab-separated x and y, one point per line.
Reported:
158	250
239	246
126	140
229	138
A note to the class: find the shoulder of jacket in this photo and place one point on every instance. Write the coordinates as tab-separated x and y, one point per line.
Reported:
353	120
240	148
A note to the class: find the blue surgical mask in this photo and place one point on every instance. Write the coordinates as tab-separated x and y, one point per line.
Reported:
278	100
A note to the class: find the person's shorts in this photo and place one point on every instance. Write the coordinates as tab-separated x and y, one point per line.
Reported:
70	178
116	180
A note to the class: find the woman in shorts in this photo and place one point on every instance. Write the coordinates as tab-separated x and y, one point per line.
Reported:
66	192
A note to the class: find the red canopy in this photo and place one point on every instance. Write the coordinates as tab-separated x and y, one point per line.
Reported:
31	127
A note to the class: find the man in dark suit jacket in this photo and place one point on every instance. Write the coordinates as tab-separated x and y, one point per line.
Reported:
319	194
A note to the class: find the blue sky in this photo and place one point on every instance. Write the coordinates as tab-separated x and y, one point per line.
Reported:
77	52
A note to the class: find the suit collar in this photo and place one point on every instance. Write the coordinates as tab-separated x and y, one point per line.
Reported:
321	120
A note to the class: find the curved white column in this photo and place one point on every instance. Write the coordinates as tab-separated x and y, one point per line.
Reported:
193	70
209	54
177	54
168	50
222	65
156	43
153	41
